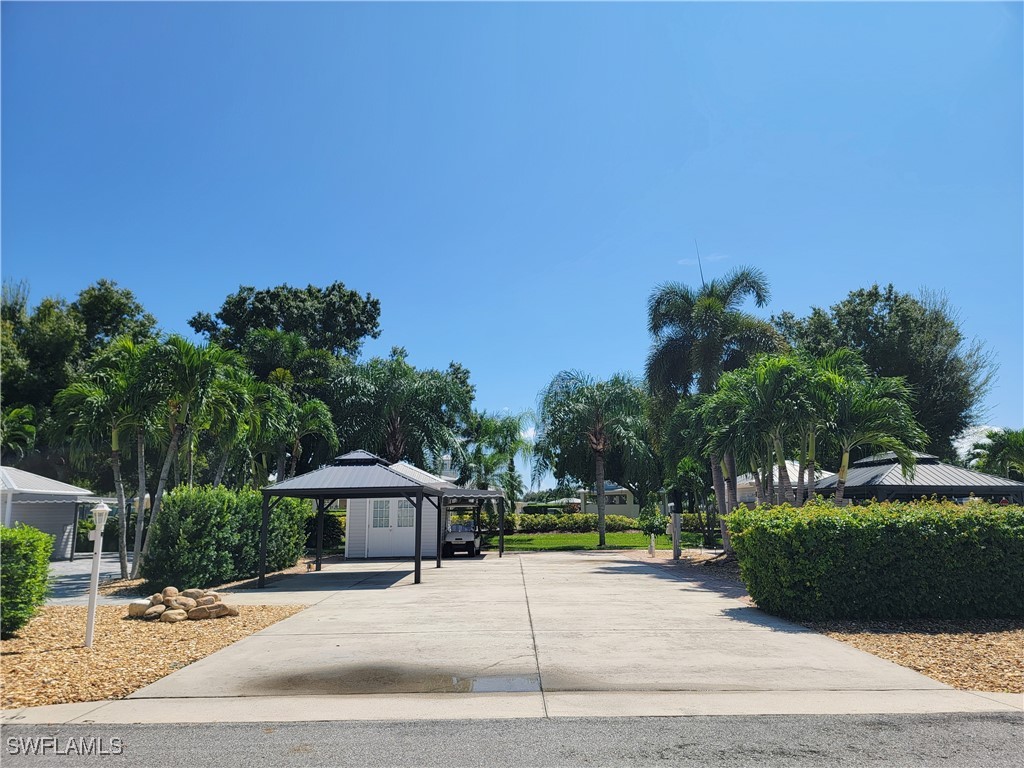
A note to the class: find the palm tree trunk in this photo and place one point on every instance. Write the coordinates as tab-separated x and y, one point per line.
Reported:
599	475
222	467
800	476
731	493
811	491
140	505
719	483
758	485
296	451
122	534
281	463
172	454
841	478
785	487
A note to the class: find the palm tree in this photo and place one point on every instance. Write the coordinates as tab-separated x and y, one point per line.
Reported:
699	334
186	376
399	412
1002	452
17	430
100	409
312	419
873	413
579	417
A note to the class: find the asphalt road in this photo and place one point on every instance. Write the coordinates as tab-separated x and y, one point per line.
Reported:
968	740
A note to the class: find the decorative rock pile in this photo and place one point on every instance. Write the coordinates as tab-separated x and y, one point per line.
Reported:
171	605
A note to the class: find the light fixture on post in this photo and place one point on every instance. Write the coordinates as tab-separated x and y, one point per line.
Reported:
99	517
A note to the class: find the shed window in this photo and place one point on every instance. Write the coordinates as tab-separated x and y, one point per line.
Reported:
406	514
381	513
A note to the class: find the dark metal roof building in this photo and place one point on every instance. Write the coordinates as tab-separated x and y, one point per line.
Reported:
880	477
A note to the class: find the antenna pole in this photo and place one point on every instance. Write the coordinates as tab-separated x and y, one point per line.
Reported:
703	284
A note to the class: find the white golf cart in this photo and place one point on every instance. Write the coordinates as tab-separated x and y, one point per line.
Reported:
462	537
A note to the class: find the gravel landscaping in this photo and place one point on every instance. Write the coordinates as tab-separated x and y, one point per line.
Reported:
969	654
47	664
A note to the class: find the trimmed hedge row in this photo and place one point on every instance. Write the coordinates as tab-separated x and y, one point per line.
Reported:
926	559
24	567
570	523
334	531
206	536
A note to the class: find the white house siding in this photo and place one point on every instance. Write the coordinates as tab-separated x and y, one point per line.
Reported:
52	517
357	528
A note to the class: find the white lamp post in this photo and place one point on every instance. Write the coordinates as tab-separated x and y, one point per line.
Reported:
583	500
99	516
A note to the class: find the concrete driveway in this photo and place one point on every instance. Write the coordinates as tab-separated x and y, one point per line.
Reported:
69	580
530	635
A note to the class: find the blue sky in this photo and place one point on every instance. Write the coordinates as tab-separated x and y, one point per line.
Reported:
511	181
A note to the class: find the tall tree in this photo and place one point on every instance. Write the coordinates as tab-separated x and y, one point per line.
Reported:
873	413
918	338
332	318
1001	453
186	377
17	432
580	418
401	412
699	334
100	409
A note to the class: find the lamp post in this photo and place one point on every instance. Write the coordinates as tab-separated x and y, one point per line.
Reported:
99	517
583	500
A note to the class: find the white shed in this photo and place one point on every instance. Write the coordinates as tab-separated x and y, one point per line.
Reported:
386	527
43	503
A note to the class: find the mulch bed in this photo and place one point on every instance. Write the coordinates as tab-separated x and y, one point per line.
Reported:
47	663
969	654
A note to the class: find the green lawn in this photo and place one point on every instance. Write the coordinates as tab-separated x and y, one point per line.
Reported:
535	542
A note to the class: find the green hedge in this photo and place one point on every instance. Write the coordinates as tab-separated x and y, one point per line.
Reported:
572	523
334	531
24	566
207	536
926	559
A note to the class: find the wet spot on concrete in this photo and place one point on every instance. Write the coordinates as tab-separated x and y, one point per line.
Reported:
390	678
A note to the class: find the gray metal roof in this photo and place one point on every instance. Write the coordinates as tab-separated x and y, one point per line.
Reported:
930	476
20	481
348	480
360	457
889	457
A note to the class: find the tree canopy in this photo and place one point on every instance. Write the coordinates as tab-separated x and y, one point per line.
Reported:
332	318
916	338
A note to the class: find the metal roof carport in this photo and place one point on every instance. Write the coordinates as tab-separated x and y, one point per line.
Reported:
880	477
362	475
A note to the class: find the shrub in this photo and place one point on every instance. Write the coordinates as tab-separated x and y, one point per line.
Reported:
207	536
24	565
573	523
334	531
884	560
651	521
111	531
194	539
286	536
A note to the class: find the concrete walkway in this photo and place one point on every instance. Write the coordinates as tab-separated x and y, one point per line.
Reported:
69	579
531	635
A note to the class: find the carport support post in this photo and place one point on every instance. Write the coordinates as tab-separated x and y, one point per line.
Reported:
319	532
264	527
419	536
501	526
440	528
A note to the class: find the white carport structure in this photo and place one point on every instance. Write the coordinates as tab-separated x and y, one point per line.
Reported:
43	503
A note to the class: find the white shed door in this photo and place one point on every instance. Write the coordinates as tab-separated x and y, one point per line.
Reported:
392	527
